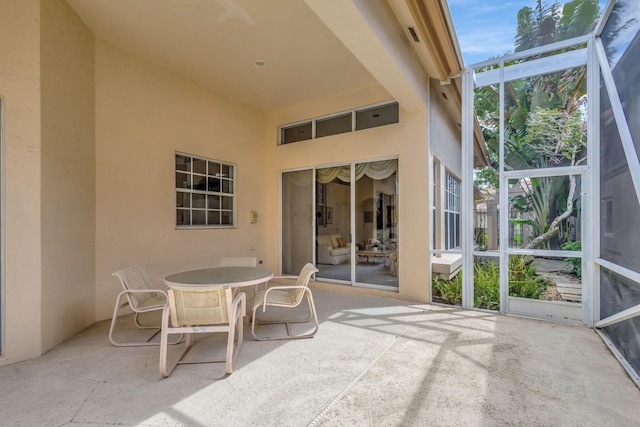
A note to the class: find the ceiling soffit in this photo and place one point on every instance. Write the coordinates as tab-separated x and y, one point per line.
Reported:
216	43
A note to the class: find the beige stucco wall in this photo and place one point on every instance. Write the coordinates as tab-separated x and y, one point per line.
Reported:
68	173
445	135
143	116
406	140
20	93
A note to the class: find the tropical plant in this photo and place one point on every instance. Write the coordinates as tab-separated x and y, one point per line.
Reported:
575	263
523	282
486	285
449	291
544	122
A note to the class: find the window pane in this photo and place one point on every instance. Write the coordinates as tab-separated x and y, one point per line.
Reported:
227	171
213	184
227	186
199	166
334	125
213	202
214	169
296	133
227	202
183	180
447	240
183	163
183	199
213	217
199	200
377	116
226	218
199	182
182	217
198	217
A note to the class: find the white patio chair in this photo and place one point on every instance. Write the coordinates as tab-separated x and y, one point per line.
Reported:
288	296
194	310
141	297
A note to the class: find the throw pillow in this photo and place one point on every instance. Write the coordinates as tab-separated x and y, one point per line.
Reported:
341	243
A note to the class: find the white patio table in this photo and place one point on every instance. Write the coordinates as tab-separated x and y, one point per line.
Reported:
234	277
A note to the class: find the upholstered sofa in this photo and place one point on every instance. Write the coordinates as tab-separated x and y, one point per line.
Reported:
332	249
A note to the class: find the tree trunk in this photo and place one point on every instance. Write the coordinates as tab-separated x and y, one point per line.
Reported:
555	224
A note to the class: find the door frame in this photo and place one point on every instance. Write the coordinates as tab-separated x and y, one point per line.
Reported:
352	220
498	71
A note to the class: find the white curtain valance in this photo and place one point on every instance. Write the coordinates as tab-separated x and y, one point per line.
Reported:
375	170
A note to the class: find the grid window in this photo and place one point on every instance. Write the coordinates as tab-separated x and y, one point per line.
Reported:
452	212
205	192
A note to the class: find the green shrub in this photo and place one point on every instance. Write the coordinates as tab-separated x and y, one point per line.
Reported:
486	278
523	282
575	263
450	291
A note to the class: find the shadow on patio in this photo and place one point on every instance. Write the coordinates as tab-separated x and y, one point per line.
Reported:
374	361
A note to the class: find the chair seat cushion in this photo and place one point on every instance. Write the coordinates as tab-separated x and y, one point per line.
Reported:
280	297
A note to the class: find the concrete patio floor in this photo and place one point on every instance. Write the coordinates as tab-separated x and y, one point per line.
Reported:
374	362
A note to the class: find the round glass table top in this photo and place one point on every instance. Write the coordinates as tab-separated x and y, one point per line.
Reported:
231	276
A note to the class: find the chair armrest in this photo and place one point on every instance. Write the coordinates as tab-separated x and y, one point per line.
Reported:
266	292
241	299
144	291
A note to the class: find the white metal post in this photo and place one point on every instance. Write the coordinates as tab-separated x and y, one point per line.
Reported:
503	203
590	232
467	189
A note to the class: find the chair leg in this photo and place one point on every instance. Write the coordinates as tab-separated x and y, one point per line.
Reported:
312	315
165	370
230	353
114	321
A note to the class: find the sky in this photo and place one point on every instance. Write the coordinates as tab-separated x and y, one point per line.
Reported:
487	29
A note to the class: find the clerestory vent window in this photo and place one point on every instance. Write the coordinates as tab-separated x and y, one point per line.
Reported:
358	119
377	116
295	133
334	125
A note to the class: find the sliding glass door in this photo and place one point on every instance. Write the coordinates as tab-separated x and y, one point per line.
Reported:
376	224
333	223
297	220
349	231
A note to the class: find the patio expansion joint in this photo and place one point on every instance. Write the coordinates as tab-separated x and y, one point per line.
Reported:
84	402
353	382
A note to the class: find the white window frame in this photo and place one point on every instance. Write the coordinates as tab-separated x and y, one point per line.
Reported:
452	210
228	182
